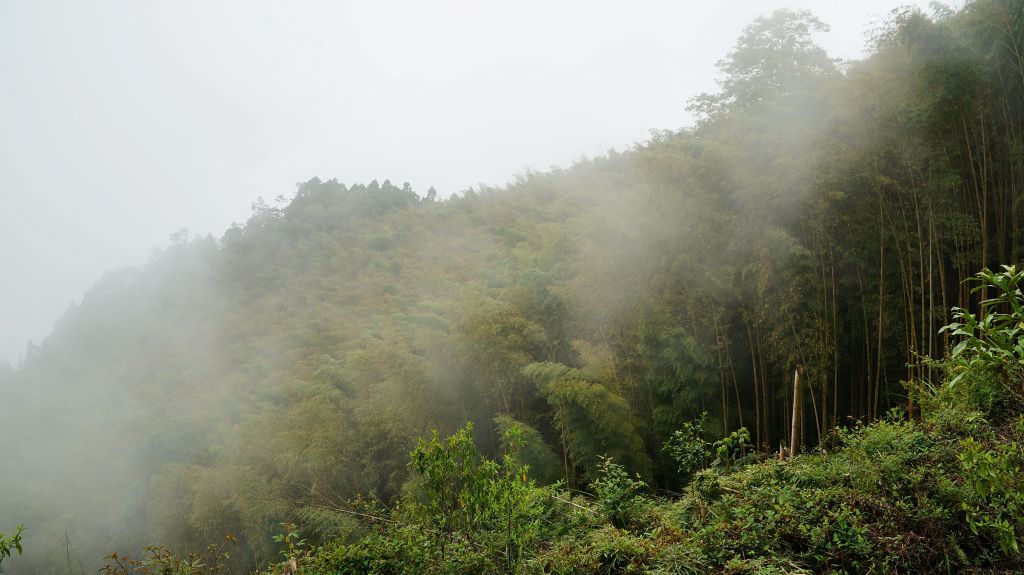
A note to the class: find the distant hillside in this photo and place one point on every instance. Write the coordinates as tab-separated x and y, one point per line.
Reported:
818	215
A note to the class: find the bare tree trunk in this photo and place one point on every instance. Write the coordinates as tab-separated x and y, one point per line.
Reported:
757	390
721	374
735	387
873	403
797	425
860	393
768	404
835	344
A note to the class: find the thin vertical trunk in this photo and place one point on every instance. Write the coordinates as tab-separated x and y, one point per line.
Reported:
823	423
1015	49
919	351
1011	139
931	285
735	387
860	393
984	207
942	289
814	409
721	375
565	460
797	424
757	390
768	407
835	344
981	204
907	281
873	403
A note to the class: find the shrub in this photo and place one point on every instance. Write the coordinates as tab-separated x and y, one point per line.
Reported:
159	560
688	448
996	476
992	341
732	448
10	544
618	494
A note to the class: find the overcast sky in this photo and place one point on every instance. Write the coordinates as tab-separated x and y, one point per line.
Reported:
122	122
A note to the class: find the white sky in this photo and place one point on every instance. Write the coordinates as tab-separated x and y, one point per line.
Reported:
122	121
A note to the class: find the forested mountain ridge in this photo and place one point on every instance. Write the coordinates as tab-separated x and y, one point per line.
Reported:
818	215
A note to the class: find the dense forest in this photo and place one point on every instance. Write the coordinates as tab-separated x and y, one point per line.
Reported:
615	327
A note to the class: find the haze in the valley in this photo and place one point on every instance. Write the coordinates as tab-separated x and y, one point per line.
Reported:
124	121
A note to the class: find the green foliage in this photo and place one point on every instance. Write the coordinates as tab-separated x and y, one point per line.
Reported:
988	359
978	396
985	366
774	56
498	343
680	371
688	447
618	495
732	448
866	506
283	372
694	453
997	478
592	419
452	480
296	550
529	451
463	499
993	339
10	543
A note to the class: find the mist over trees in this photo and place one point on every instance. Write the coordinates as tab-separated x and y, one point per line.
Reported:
820	216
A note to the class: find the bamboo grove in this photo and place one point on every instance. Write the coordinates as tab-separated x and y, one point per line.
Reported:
819	219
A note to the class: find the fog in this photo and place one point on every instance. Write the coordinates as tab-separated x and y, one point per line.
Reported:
124	122
215	223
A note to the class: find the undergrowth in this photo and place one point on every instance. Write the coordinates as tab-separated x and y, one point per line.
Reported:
942	492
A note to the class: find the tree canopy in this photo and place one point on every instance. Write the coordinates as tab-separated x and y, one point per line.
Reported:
818	215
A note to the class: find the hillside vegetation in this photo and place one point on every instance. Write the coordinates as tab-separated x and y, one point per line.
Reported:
627	329
939	494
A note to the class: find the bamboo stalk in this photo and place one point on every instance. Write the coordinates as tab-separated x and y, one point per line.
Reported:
794	432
